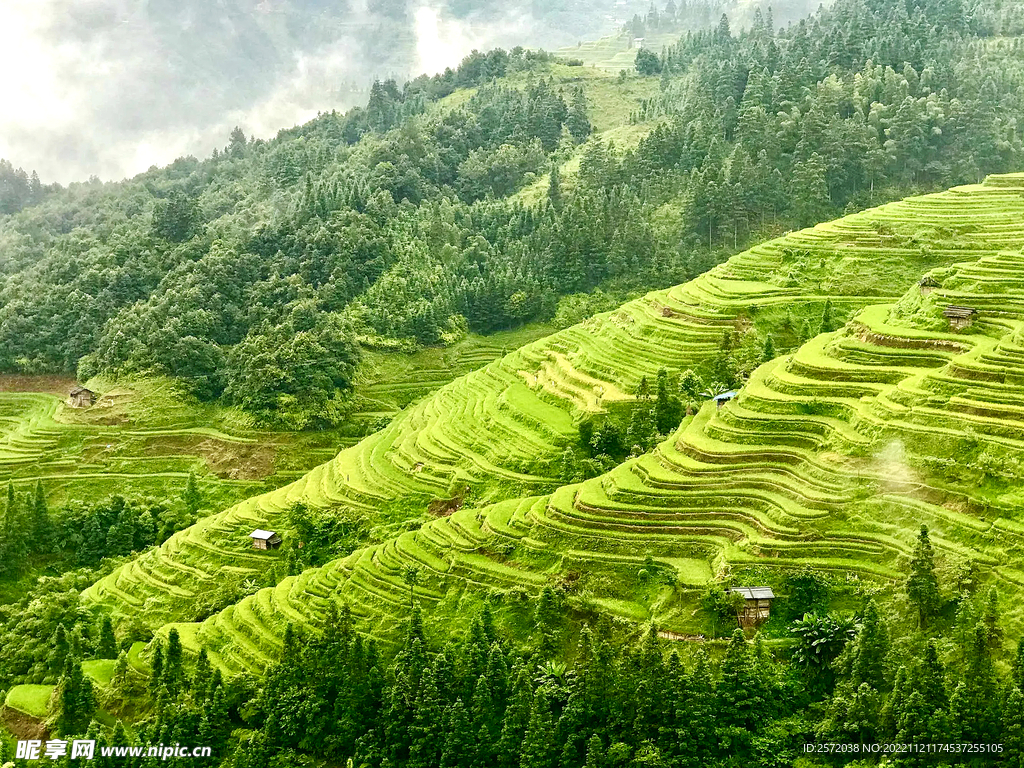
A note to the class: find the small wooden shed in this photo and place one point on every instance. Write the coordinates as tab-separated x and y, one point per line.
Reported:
724	398
927	284
265	539
80	397
959	317
757	605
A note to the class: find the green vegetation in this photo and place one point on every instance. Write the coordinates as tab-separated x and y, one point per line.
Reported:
484	573
257	276
801	469
33	700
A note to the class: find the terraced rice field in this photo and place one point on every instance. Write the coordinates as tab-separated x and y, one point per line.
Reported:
32	700
147	449
824	459
147	437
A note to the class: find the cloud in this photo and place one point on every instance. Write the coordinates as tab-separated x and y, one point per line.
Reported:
111	87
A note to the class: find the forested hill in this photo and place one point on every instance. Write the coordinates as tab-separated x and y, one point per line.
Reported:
256	275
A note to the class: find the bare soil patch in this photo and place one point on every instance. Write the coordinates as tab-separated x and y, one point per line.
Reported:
238	461
22	726
50	384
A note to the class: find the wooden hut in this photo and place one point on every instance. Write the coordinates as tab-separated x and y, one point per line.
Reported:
927	284
756	607
265	539
959	317
80	397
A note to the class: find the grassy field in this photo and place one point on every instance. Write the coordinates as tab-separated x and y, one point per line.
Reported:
616	52
830	457
33	700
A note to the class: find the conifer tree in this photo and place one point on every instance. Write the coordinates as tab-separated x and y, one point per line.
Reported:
577	122
106	646
931	678
555	187
61	649
922	583
1013	729
201	672
76	700
192	497
870	649
768	350
173	672
538	747
974	704
119	680
516	720
458	750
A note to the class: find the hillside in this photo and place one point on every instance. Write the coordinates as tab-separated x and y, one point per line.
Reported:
823	455
149	435
258	275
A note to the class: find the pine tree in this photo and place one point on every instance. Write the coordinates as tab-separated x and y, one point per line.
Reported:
1013	729
740	698
517	717
76	700
61	649
201	672
768	350
538	748
922	583
577	121
974	704
809	192
896	702
870	649
106	646
13	549
426	735
555	187
173	673
192	497
122	669
458	750
931	678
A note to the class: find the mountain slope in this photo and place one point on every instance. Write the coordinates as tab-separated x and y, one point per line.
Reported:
500	429
830	457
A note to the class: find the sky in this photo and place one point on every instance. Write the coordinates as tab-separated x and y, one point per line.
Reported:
108	88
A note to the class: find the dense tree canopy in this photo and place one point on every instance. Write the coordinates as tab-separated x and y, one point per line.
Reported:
392	225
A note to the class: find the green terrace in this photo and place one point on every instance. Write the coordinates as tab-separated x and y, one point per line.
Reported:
831	456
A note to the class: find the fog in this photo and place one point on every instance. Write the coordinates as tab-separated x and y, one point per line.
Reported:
108	88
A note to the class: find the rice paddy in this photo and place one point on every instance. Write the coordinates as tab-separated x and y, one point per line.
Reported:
830	456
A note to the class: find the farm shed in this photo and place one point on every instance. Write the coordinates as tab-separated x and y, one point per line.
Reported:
927	284
80	397
959	317
724	398
265	539
757	605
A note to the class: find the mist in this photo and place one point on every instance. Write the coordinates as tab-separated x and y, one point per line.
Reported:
109	88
